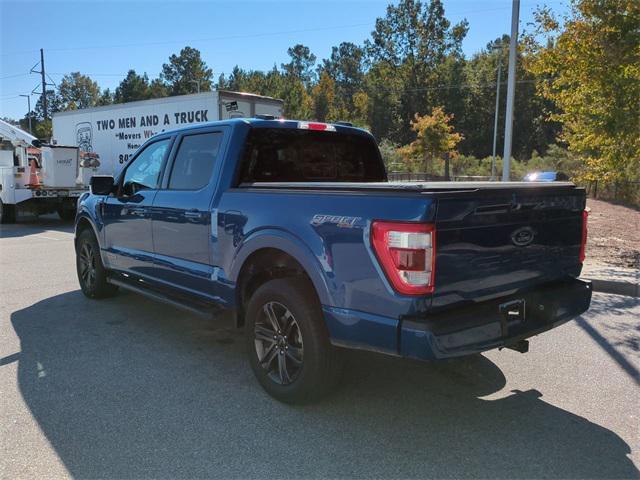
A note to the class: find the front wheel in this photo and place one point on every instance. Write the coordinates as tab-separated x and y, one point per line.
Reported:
288	342
91	272
66	214
7	213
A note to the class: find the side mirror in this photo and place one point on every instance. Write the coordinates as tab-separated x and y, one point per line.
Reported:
101	184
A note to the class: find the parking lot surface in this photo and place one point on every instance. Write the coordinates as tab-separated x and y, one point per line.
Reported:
129	388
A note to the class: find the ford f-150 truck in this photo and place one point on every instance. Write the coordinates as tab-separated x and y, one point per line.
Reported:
294	228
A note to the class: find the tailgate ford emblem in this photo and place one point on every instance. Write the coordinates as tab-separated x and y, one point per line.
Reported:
523	236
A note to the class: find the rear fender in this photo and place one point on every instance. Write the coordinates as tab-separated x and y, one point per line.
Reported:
293	246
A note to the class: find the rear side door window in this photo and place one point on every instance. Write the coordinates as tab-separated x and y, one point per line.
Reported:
194	161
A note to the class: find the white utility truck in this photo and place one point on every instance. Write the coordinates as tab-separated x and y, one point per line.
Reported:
37	177
114	132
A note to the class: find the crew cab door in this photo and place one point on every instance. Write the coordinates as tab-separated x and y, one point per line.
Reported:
127	214
182	217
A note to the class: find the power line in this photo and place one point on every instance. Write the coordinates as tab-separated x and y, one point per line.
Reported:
12	97
169	42
92	74
15	75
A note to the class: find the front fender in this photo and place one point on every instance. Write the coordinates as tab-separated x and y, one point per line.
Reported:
83	218
88	214
290	244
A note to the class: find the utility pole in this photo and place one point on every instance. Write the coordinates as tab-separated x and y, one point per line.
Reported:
44	84
495	120
28	110
43	76
511	90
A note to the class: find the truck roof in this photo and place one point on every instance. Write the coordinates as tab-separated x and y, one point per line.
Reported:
270	123
172	99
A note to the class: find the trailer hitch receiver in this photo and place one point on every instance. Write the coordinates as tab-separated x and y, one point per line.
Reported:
511	312
521	346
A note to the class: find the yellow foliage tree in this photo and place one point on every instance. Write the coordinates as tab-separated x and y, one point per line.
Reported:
590	70
435	139
360	115
324	99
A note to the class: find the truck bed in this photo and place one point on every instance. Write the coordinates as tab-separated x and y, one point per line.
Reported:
477	257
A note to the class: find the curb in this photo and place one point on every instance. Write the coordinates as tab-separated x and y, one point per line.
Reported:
616	288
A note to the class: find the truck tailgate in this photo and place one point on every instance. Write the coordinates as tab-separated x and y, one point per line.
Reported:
493	242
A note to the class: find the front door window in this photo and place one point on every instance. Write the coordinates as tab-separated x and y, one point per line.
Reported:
144	172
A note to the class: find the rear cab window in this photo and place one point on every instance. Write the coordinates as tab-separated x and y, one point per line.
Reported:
292	155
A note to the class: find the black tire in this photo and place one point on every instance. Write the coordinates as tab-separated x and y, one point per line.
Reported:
91	272
7	213
311	364
66	214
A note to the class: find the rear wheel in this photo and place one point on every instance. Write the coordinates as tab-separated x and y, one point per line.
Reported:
91	272
7	213
288	343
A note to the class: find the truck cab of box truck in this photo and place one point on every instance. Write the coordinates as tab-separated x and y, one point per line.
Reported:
42	183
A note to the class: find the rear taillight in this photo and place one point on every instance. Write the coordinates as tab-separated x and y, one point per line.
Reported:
583	241
407	254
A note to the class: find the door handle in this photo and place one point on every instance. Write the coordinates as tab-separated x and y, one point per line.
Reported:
193	214
137	211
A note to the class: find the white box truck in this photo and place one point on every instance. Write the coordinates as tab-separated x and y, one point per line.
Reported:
114	132
36	177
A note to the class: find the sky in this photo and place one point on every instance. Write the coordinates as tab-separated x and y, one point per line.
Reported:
104	39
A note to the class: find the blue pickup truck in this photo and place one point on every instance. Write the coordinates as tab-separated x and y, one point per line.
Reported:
293	227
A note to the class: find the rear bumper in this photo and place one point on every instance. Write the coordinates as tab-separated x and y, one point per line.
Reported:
462	331
488	325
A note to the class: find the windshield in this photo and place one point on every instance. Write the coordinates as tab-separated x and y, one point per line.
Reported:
288	155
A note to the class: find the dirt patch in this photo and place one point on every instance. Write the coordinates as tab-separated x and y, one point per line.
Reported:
614	235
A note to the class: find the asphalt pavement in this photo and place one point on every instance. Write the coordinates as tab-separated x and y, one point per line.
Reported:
127	388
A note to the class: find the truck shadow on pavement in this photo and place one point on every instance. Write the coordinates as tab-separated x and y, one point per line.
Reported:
622	340
31	225
127	388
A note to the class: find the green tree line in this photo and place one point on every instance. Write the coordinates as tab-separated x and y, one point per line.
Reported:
577	86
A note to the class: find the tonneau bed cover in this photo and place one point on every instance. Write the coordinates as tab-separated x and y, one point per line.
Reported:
413	186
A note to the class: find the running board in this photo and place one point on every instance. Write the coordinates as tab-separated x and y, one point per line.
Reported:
204	311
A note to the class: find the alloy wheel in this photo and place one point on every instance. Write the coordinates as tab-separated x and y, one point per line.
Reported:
87	265
278	343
